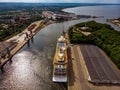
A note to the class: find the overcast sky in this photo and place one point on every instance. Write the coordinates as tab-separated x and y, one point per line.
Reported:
67	1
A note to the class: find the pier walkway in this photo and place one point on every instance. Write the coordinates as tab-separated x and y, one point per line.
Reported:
76	77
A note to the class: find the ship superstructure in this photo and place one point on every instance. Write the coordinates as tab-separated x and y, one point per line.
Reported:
60	61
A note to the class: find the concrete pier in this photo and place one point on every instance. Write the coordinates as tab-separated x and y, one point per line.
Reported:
22	39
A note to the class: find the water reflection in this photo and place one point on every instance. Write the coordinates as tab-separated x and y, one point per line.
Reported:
22	69
32	66
32	40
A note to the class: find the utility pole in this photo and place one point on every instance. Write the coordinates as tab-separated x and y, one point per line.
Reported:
26	35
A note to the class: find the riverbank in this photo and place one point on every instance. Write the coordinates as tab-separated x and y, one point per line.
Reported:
22	38
114	21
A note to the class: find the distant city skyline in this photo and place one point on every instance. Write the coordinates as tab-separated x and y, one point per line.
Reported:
64	1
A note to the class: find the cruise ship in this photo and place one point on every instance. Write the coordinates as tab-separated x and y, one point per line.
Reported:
60	61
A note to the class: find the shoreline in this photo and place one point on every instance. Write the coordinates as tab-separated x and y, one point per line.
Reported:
22	40
79	16
114	21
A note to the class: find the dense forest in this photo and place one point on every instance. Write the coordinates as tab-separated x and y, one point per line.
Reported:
101	35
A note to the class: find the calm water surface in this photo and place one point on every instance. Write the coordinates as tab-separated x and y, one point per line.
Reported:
108	11
32	65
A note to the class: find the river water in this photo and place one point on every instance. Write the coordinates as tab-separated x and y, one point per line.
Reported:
107	11
31	68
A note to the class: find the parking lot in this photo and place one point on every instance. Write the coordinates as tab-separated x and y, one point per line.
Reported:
100	69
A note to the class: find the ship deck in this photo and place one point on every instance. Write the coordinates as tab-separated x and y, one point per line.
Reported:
60	63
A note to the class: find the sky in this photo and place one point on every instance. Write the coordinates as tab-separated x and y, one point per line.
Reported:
65	1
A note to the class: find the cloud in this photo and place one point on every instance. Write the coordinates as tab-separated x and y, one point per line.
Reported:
68	1
19	0
109	1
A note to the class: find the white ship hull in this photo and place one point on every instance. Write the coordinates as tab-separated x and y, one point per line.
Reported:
59	79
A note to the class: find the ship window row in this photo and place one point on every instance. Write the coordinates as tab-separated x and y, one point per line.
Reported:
60	73
60	69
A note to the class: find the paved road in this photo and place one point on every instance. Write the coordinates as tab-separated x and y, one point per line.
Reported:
77	80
